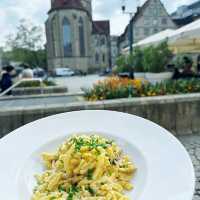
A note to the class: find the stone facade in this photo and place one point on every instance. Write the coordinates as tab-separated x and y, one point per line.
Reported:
74	40
177	113
149	19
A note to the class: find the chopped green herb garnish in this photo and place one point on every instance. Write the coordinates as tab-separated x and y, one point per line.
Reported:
90	174
94	143
90	190
72	191
61	189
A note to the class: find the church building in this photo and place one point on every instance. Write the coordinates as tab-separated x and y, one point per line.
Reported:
74	40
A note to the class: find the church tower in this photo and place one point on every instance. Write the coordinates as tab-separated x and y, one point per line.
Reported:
68	32
87	4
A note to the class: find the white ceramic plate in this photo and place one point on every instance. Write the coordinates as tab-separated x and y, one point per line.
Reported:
165	171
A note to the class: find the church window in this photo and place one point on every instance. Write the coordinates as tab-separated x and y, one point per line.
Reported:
97	58
104	58
54	28
67	40
103	41
81	37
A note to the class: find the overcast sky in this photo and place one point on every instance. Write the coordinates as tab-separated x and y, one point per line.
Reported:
11	11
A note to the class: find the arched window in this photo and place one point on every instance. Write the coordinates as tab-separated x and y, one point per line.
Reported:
54	28
67	40
81	37
97	58
103	58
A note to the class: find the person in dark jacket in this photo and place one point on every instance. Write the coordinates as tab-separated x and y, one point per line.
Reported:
6	80
187	71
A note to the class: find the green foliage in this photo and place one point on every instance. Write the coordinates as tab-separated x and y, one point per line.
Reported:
122	64
156	58
182	86
25	45
136	59
170	87
36	84
149	59
179	62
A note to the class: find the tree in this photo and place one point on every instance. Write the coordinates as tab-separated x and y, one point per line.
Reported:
156	58
26	45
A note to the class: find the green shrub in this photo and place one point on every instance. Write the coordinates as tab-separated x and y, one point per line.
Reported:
49	83
136	60
36	84
122	64
181	86
179	62
150	59
114	88
156	58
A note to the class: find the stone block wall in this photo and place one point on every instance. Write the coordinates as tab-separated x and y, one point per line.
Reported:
179	114
38	90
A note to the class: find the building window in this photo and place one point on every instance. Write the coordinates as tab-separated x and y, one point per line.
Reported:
81	37
155	30
103	58
103	41
146	21
164	21
54	28
97	58
146	31
67	40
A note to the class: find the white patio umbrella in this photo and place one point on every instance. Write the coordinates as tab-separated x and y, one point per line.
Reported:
186	39
152	40
183	40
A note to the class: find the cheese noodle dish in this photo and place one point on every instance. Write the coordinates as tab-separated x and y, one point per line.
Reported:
85	168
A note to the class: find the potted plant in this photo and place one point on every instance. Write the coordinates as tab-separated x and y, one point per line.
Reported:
155	60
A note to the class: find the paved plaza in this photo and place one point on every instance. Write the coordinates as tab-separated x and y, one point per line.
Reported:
75	83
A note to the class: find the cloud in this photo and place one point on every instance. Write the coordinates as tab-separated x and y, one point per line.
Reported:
36	11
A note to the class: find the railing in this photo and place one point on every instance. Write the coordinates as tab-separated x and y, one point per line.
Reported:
22	81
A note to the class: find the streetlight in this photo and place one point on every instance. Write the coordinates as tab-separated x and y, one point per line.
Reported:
130	26
130	35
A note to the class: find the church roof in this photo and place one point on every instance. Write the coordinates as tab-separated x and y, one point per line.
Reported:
67	4
101	27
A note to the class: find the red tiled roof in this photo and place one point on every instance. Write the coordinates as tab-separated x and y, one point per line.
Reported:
101	27
67	4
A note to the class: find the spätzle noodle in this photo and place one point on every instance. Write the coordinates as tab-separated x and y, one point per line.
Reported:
85	168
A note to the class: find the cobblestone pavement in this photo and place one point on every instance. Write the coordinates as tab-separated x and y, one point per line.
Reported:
192	144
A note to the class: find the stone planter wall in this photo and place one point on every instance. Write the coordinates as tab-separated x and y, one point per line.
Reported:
38	90
180	114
